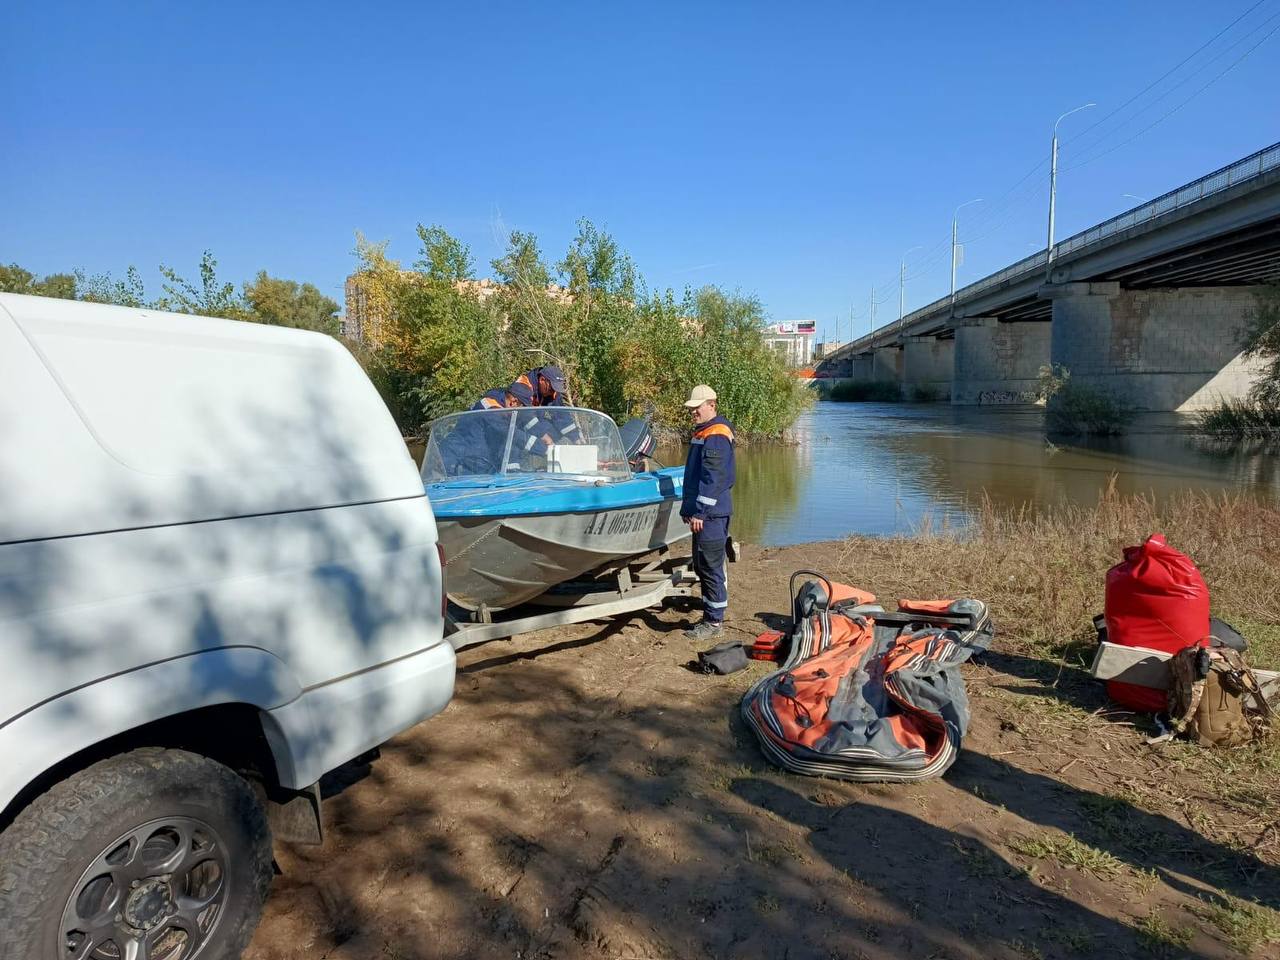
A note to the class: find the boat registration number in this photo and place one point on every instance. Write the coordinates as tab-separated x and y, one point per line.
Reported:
622	522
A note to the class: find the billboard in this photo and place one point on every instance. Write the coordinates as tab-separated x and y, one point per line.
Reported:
804	327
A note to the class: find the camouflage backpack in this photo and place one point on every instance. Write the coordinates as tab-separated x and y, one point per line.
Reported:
1214	697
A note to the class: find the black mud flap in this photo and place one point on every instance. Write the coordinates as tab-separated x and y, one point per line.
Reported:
297	819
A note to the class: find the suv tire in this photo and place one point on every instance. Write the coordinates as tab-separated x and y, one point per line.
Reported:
164	847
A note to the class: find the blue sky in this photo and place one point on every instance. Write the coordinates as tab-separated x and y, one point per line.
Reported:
791	150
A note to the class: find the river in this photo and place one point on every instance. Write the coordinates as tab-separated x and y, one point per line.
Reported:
897	468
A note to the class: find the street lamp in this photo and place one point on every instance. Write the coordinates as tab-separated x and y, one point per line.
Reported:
1053	187
954	220
902	278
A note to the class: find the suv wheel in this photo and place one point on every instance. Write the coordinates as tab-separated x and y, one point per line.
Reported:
151	855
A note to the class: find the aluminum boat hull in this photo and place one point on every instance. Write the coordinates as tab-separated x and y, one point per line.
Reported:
501	562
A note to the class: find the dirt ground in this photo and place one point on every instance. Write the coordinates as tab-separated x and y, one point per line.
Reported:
586	795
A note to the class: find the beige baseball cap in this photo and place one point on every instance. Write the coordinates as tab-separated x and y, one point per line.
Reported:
699	395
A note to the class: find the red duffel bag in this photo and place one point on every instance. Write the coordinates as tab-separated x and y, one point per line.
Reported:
1156	599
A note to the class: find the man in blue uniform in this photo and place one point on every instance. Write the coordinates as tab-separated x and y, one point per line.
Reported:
709	474
516	395
476	444
550	390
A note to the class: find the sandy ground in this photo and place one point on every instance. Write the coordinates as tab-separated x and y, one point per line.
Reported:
587	795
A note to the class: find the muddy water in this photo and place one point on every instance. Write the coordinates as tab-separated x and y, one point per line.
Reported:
892	468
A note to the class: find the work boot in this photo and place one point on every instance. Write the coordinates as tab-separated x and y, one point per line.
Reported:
704	630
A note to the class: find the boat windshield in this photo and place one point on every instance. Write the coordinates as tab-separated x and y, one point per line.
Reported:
562	442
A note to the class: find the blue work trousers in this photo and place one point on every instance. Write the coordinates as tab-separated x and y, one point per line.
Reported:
709	565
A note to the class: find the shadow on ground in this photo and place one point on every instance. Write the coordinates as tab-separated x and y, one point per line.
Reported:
584	796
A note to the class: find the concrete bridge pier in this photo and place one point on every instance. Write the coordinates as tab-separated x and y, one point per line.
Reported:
863	370
1155	349
998	362
928	364
886	364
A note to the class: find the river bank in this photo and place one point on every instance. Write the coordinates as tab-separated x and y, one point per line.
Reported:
587	796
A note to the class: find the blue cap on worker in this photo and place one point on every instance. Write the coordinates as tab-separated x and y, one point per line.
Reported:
521	392
555	376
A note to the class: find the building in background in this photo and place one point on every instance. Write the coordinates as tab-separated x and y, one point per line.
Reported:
793	339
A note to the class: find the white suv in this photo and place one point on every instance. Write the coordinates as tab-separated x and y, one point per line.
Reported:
219	579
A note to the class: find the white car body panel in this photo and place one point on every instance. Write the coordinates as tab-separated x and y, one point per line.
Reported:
199	511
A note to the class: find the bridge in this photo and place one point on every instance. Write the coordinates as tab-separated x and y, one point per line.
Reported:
1148	306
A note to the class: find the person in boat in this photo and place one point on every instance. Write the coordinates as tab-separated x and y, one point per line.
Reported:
709	474
516	395
476	445
550	389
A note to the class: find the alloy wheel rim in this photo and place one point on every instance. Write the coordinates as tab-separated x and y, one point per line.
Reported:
157	892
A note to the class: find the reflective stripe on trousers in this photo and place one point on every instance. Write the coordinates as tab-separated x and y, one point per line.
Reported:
709	565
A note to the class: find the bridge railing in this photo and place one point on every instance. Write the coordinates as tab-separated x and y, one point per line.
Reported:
1254	165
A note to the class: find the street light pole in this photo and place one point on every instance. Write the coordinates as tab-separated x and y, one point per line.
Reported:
955	217
1053	188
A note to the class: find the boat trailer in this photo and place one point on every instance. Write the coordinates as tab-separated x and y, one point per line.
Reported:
615	589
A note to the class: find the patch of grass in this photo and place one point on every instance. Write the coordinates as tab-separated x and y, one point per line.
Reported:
1246	926
1067	851
1075	939
1263	637
1163	938
766	903
978	861
777	853
1057	710
1145	881
1043	573
723	777
865	391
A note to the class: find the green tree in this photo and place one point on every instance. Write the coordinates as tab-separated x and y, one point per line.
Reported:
521	267
594	263
100	288
14	279
443	256
624	351
59	285
209	299
285	303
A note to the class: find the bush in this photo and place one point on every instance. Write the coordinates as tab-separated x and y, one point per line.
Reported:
866	391
1258	417
924	393
1241	420
1072	409
1077	409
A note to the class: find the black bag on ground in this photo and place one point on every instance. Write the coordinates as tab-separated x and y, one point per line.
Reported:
727	657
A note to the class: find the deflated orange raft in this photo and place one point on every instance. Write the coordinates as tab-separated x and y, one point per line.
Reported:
864	693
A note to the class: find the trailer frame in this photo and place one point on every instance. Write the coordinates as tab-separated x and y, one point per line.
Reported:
622	587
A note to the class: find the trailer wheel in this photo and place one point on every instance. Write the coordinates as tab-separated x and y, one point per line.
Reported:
150	855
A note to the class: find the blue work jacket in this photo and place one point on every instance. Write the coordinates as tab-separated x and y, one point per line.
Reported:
710	471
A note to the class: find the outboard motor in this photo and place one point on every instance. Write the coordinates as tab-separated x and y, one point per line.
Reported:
638	441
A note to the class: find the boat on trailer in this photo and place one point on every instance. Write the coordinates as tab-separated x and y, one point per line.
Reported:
515	524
